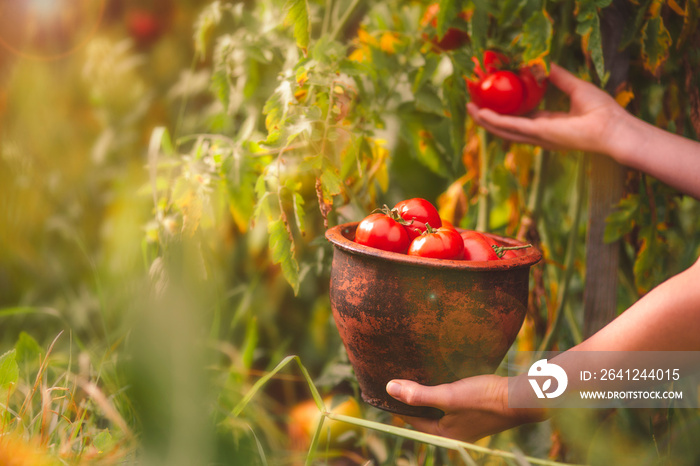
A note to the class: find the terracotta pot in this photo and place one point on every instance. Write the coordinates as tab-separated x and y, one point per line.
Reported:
429	320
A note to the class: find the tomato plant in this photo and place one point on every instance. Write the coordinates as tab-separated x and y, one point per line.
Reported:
440	243
380	231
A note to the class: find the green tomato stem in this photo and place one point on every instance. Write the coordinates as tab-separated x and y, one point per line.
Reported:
501	250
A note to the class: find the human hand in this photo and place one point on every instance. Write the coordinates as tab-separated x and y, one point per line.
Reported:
474	407
590	125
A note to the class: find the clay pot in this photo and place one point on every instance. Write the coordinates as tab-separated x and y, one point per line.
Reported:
429	320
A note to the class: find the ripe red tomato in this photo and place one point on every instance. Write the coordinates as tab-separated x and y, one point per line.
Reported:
477	247
446	224
453	39
417	213
496	87
382	232
144	26
501	91
492	62
534	90
442	243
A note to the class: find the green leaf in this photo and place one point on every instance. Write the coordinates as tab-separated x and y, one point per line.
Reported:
27	348
350	158
9	371
425	72
537	37
299	213
331	182
298	15
622	220
221	87
479	26
455	95
656	41
251	343
633	28
277	106
241	181
510	11
282	249
204	26
427	100
103	441
646	265
415	130
589	29
449	9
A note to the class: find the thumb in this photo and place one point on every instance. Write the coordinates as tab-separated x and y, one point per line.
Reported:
415	394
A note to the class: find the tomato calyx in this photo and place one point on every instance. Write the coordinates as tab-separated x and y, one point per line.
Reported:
501	250
429	229
393	214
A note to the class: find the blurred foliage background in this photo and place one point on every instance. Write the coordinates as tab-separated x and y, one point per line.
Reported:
167	171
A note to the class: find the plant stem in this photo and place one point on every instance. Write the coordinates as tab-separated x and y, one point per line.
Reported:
436	440
534	202
344	19
327	17
484	207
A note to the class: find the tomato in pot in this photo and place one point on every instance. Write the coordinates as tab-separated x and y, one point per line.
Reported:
440	243
380	231
477	247
417	213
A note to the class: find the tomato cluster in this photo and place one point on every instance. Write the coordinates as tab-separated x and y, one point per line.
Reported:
503	88
414	227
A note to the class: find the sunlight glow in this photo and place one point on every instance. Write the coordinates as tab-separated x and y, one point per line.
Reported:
45	9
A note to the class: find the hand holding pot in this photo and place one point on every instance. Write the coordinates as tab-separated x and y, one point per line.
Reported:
474	407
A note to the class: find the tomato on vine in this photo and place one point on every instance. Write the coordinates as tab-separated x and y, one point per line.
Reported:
453	39
440	243
534	90
380	231
501	91
504	88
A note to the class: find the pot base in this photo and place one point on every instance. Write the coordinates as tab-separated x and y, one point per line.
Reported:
403	409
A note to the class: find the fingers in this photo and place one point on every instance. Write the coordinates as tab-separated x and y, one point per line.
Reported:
414	394
562	79
518	129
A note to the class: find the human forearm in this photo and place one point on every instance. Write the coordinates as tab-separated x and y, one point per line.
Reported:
673	159
665	319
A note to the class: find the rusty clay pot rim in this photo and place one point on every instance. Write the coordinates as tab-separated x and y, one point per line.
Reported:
340	236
